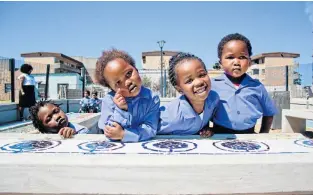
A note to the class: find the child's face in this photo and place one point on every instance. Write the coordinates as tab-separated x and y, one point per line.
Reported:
235	58
119	74
52	118
86	94
193	80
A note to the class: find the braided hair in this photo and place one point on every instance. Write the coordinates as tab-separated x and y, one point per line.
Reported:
178	59
33	111
233	37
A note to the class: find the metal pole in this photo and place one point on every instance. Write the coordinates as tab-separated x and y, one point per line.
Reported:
83	77
12	69
47	81
161	86
165	83
287	77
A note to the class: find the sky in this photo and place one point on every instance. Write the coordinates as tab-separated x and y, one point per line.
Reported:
88	28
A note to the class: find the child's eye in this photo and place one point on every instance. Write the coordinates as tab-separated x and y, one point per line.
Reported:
48	119
230	57
188	81
202	75
242	57
57	110
129	74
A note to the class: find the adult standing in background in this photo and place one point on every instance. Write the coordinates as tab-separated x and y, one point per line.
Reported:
27	89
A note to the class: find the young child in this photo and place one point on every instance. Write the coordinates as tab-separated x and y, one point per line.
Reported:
95	102
85	101
243	99
191	112
48	118
130	112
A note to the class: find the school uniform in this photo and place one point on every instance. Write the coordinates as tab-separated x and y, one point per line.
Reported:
179	118
140	121
79	129
240	107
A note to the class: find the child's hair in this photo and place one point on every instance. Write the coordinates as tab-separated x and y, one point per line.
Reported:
88	92
34	114
233	37
25	68
95	93
108	56
177	59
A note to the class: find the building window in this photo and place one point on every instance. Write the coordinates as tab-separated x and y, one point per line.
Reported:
144	59
7	87
263	71
255	71
41	89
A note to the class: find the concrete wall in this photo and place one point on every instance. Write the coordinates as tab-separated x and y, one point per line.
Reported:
72	79
154	62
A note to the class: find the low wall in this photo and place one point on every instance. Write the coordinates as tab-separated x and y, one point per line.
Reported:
90	164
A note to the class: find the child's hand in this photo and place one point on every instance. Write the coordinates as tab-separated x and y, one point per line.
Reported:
206	133
116	132
119	100
66	132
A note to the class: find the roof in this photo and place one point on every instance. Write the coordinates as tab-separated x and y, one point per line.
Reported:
276	54
59	56
158	53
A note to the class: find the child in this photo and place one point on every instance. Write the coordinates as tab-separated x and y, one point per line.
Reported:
48	118
191	112
85	102
95	103
130	112
243	99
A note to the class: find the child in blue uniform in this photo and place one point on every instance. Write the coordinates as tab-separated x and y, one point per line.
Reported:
243	100
191	112
130	112
48	118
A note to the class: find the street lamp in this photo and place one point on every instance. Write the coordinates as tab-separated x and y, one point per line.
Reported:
161	44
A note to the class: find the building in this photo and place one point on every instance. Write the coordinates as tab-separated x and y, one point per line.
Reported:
270	69
61	85
152	60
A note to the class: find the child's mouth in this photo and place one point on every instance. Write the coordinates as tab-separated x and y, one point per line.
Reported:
61	122
201	90
132	88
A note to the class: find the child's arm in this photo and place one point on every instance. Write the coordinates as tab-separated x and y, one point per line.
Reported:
148	128
269	110
266	124
67	132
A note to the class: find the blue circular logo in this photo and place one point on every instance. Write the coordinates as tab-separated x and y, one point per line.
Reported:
241	146
305	143
100	146
169	146
30	146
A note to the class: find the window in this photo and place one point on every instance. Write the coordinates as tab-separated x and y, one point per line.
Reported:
263	71
41	89
7	87
144	59
255	71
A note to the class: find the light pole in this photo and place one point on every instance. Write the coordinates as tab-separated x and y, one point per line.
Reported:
161	44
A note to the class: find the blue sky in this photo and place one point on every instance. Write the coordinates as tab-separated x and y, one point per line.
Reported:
87	28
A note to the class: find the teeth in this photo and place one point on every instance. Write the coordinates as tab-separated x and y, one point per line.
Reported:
201	90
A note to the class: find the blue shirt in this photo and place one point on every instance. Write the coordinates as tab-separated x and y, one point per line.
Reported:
79	129
140	122
179	118
85	101
240	108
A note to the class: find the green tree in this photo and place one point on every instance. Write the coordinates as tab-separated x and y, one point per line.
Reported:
217	66
146	81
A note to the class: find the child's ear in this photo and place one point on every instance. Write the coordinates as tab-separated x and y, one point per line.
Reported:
178	89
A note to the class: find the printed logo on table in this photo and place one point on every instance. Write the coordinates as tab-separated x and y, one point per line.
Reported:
100	146
241	146
305	143
30	146
169	146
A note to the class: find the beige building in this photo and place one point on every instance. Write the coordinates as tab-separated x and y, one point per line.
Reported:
152	60
270	68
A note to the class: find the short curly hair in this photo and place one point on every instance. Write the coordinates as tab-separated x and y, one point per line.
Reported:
108	56
232	37
33	111
178	59
25	68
